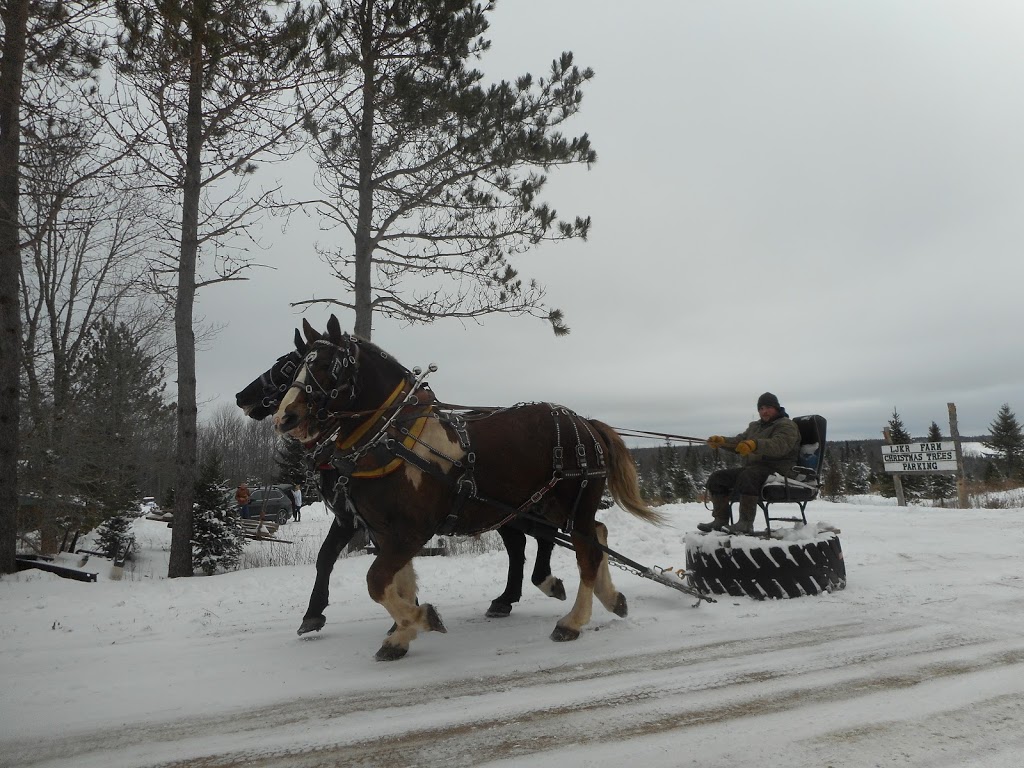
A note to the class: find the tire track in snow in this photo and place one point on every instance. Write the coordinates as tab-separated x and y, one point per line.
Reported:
475	718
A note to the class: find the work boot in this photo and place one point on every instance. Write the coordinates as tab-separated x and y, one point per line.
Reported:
720	511
748	510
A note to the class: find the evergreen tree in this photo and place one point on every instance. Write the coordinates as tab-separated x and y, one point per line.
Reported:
692	464
856	471
116	535
992	473
939	487
217	537
436	174
118	398
913	486
683	485
291	462
664	473
1007	440
832	476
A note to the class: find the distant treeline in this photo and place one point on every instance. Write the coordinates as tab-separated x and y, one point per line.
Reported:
678	473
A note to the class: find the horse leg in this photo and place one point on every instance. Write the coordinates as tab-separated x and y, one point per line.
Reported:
395	589
515	546
338	536
588	559
605	590
542	577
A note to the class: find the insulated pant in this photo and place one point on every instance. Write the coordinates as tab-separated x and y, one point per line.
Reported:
745	481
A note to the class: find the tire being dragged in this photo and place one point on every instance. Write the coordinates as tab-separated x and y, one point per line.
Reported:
759	568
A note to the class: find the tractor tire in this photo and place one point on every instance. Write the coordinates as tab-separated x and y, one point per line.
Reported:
761	568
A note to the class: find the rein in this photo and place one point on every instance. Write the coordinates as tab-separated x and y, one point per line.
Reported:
627	432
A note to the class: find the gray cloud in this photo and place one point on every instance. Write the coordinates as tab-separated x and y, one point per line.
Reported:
820	199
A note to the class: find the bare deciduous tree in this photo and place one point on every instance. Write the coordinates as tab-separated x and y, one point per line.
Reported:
45	40
210	86
247	448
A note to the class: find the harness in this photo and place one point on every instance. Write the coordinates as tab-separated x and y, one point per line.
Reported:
388	437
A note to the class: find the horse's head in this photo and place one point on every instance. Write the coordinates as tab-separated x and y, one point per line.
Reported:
263	394
325	383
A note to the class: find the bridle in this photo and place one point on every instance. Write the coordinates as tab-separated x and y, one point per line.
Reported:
319	395
274	390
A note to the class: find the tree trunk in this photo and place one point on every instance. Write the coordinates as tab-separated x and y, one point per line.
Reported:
364	248
12	68
184	335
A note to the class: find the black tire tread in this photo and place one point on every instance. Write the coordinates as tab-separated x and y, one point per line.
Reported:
798	569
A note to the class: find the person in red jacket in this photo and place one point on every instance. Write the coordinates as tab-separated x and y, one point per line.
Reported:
242	499
770	444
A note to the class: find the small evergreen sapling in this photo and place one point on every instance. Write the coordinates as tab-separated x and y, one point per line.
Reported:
116	536
217	536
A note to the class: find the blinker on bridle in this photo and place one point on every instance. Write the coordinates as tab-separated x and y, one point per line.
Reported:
342	358
273	392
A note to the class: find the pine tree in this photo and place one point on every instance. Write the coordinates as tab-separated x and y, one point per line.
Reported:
217	537
116	535
291	462
1007	440
939	487
856	471
437	174
913	487
832	476
683	485
118	397
220	74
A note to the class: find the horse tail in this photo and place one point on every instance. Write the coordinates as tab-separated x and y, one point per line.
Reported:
622	479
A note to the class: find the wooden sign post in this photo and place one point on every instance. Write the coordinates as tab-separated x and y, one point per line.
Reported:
896	481
961	476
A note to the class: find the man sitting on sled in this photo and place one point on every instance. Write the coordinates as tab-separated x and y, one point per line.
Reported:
770	444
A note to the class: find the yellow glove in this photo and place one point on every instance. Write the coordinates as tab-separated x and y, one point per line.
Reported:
716	441
746	446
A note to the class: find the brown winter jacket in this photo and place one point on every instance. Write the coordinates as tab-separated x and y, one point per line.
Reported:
242	496
778	442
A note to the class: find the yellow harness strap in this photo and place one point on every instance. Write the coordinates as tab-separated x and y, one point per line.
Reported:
363	428
410	440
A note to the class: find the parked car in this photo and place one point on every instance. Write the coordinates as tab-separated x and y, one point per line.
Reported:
274	503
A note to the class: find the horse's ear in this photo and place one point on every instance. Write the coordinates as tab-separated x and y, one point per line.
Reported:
300	345
311	335
334	329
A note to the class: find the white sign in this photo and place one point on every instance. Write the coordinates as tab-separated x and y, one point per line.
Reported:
920	457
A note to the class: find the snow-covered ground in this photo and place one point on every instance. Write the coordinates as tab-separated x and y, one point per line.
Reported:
918	662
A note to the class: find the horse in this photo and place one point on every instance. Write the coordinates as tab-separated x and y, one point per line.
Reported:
261	397
413	467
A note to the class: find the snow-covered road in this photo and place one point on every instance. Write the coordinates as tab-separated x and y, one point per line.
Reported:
919	662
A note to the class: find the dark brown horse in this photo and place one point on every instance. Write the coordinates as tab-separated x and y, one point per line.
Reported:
261	397
410	468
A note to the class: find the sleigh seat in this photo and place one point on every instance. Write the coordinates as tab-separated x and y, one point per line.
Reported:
802	483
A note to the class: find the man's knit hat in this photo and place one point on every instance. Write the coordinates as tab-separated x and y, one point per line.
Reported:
769	399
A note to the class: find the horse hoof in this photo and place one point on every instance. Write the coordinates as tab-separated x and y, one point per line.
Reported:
390	653
498	610
558	589
620	608
564	634
312	624
434	623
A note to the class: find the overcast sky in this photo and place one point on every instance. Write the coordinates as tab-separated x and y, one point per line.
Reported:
820	199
